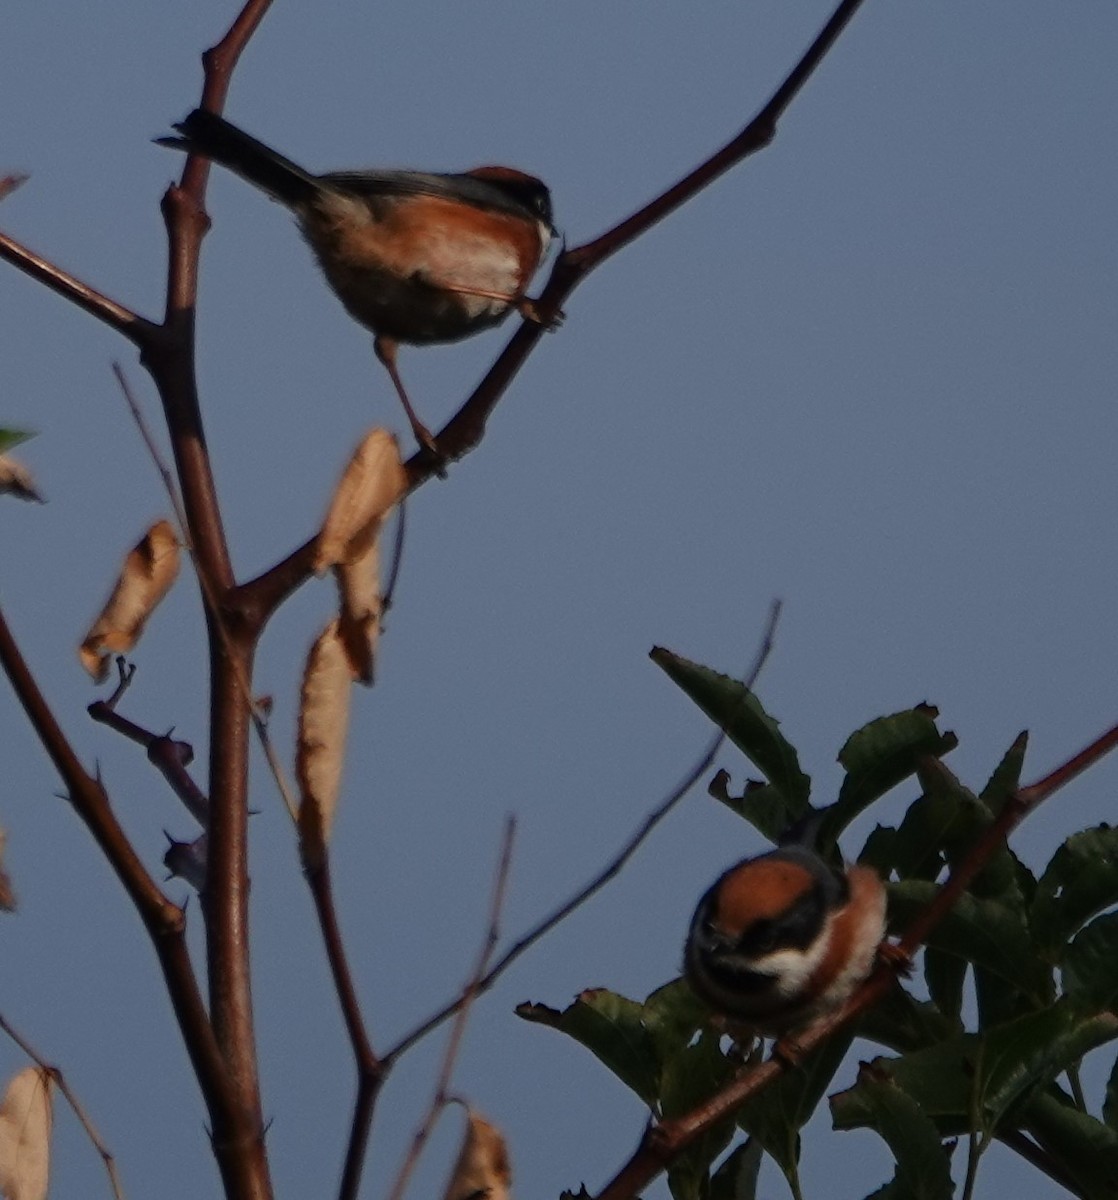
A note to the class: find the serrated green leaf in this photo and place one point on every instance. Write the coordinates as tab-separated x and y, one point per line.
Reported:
672	1014
736	1177
776	1115
737	710
964	818
999	1000
611	1028
986	933
761	804
1080	881
688	1078
1006	778
901	1022
1090	972
923	1165
938	1077
1024	1054
879	850
1084	1148
879	756
945	974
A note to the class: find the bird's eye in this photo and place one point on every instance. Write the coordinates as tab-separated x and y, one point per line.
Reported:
760	938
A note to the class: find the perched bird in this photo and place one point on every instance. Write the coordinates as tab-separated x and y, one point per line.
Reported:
414	257
783	938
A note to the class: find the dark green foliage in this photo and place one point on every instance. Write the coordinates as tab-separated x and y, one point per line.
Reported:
1021	979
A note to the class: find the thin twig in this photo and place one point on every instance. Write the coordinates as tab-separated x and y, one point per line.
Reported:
371	1072
442	1097
60	1082
612	868
137	329
663	1143
165	922
210	595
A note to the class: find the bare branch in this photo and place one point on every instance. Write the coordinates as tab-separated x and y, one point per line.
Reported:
164	921
442	1097
371	1072
71	1099
138	330
612	868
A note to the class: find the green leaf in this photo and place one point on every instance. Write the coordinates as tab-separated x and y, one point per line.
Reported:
1080	881
736	1177
1090	972
986	933
10	438
945	974
923	1165
610	1027
737	710
761	804
1006	778
901	1022
878	757
1085	1149
967	819
671	1015
689	1077
939	1078
880	849
1024	1054
776	1115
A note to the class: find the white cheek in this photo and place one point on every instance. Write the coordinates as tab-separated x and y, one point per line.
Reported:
790	970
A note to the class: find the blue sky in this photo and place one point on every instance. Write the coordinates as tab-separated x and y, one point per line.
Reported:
871	372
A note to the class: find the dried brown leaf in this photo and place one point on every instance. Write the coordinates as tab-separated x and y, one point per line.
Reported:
25	1128
148	572
320	751
373	481
9	183
17	480
360	611
483	1167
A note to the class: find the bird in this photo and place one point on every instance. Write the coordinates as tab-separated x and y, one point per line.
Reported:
414	256
783	938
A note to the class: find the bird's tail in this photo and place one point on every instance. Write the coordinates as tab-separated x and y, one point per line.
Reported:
222	142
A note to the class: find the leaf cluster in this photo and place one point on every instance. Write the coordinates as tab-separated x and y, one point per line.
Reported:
1021	981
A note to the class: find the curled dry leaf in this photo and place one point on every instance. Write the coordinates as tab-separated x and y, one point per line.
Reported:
360	611
320	752
17	480
25	1127
483	1168
373	481
7	896
9	183
148	572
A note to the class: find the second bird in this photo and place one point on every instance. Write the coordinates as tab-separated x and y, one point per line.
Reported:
414	256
